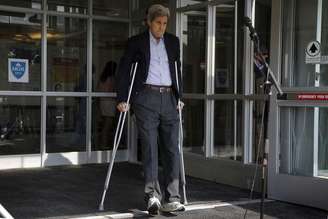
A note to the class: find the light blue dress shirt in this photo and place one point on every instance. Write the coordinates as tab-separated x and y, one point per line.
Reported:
159	71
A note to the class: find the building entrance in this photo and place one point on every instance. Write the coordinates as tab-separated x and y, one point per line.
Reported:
299	153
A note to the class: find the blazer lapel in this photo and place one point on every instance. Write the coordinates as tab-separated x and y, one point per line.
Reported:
167	47
170	56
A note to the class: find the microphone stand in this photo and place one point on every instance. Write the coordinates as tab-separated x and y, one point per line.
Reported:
270	80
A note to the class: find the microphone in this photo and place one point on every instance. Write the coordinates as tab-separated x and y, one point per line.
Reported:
248	23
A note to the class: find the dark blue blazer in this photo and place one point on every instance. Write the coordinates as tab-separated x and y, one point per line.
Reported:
138	50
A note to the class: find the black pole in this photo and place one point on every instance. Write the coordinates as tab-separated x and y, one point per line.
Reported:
267	92
265	147
270	80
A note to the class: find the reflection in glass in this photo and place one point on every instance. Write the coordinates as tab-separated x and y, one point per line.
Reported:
240	46
224	49
138	26
111	8
298	31
225	130
67	49
263	29
141	6
191	2
194	48
299	128
225	46
104	122
193	126
296	141
20	120
66	124
109	40
20	39
323	143
324	44
69	6
23	3
258	130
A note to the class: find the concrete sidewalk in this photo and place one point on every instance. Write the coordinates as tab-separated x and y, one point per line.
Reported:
75	192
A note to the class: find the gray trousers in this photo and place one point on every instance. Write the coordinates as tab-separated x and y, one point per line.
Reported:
158	119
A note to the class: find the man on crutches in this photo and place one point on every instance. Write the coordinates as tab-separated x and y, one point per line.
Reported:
155	96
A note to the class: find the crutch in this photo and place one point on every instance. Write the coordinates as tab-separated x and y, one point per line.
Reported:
119	129
183	177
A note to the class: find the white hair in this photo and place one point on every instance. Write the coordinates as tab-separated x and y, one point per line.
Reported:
157	10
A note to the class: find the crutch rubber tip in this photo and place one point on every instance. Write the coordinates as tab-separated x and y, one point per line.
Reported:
101	207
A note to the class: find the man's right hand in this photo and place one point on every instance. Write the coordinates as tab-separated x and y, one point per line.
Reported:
123	107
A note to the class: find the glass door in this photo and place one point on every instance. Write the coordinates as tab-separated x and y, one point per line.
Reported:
212	36
193	39
298	168
209	58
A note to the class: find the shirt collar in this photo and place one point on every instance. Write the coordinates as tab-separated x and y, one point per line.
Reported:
152	38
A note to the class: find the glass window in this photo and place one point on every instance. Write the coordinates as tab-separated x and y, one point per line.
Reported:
323	79
66	124
67	54
240	46
23	3
263	29
194	42
191	2
296	141
109	42
225	81
298	32
224	49
20	45
69	6
104	122
303	141
20	120
323	143
227	130
258	130
111	8
193	126
141	6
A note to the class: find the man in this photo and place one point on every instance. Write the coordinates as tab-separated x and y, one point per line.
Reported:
154	100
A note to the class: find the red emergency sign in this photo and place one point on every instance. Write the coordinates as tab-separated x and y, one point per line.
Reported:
309	96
